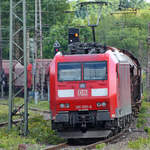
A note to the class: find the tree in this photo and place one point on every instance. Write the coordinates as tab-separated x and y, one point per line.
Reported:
52	13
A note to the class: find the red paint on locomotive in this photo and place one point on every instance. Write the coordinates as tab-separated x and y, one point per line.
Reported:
78	102
108	99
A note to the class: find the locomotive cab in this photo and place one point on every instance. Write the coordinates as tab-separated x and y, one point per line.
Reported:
80	92
90	93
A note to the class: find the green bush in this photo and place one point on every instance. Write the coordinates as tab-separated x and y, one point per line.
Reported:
100	146
11	140
41	131
3	113
43	105
143	114
141	122
147	129
141	143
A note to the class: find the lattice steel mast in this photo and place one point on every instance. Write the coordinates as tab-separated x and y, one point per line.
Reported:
17	52
38	43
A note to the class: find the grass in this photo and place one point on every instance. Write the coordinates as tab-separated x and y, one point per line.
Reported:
3	113
11	140
44	105
142	143
40	130
143	114
100	146
4	101
40	133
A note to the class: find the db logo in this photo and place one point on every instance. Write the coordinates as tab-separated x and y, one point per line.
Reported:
82	92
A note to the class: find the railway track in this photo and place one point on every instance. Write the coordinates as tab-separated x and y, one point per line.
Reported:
39	110
66	146
113	139
91	146
57	147
3	124
31	108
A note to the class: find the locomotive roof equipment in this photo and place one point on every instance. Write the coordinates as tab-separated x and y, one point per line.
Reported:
99	4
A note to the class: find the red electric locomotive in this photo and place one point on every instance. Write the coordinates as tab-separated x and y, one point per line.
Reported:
93	95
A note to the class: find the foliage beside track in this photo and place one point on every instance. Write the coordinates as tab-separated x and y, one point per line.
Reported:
144	113
40	133
100	146
142	143
42	105
11	140
3	113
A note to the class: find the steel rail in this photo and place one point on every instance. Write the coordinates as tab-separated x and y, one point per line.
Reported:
6	123
31	108
92	146
57	147
87	147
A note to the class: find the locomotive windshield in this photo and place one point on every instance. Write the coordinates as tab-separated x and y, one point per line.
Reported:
95	70
69	71
91	71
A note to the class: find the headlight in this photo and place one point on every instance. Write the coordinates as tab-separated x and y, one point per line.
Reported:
62	105
104	104
98	104
67	105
